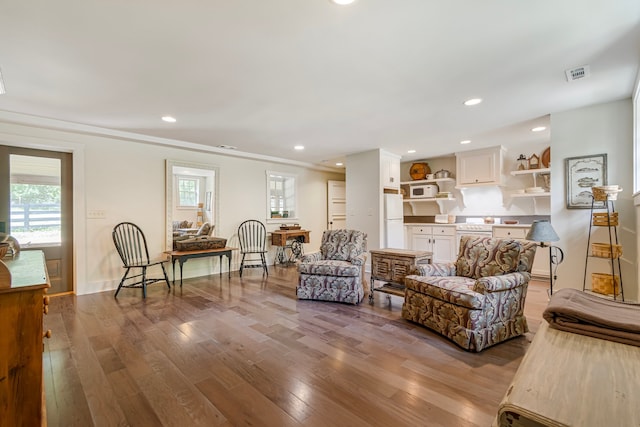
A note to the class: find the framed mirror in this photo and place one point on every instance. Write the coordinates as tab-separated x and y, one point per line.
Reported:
191	195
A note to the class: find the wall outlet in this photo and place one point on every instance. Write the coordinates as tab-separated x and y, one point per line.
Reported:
96	214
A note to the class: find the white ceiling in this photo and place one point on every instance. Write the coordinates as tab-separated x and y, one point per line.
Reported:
265	75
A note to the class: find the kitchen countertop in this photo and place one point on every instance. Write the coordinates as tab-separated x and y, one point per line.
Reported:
456	224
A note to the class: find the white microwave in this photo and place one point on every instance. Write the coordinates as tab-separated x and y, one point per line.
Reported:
423	191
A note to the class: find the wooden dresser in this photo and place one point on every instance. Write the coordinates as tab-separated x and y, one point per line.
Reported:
22	305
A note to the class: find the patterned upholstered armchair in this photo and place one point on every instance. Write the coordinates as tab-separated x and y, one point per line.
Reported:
336	273
478	301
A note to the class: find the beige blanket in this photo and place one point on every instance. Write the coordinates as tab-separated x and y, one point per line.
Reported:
581	313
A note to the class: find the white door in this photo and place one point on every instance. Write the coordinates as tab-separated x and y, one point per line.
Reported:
336	205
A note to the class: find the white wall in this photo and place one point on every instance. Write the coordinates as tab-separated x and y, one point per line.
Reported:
364	195
126	180
604	128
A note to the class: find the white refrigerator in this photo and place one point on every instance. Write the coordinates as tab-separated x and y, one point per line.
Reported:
393	221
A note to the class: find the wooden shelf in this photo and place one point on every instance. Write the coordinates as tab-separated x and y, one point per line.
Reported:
531	171
428	181
529	195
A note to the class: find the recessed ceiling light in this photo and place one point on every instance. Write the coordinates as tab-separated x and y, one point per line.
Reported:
473	101
299	147
466	141
538	129
343	2
339	164
168	119
411	151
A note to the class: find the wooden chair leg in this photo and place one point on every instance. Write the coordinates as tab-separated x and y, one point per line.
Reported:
124	277
166	279
242	264
144	282
264	263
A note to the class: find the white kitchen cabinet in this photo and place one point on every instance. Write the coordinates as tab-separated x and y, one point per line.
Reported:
390	170
541	260
440	240
479	167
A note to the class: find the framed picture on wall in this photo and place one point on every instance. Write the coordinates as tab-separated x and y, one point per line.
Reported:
583	173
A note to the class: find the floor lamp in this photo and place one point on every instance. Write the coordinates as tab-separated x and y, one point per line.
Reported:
542	232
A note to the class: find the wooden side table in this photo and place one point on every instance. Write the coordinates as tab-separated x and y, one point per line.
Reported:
391	266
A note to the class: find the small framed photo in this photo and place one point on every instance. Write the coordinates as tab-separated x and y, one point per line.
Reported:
583	173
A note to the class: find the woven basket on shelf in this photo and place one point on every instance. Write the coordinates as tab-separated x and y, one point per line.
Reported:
604	250
604	283
601	219
605	192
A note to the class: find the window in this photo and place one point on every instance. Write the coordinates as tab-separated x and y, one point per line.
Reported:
187	192
281	194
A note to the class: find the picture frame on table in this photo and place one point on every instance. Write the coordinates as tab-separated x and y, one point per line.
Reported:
582	173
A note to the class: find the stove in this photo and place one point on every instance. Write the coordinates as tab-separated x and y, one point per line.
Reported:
474	228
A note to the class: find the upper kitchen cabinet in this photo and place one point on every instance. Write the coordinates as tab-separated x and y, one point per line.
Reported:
480	167
390	170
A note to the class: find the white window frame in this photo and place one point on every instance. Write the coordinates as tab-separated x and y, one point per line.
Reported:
197	191
289	197
636	139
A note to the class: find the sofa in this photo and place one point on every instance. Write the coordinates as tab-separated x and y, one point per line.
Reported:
336	272
477	301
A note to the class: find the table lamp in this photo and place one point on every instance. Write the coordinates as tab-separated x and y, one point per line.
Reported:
541	231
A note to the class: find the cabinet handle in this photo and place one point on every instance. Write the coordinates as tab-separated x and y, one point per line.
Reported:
47	334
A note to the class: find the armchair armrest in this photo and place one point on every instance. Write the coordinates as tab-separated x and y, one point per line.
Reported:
359	260
501	283
312	257
438	269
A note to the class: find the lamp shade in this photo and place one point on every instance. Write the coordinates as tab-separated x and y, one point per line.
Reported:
542	231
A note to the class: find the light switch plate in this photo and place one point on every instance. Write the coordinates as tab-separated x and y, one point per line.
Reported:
96	214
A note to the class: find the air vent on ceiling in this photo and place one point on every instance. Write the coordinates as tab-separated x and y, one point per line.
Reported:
227	147
577	73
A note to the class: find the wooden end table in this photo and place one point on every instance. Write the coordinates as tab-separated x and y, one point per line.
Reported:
391	266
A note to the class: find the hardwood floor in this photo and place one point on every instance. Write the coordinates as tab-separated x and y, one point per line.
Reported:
246	352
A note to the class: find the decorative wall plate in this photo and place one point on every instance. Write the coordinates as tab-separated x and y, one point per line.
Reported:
546	157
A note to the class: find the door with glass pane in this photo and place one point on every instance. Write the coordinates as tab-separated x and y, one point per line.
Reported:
36	207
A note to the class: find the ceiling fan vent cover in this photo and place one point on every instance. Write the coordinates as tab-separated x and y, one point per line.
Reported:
578	73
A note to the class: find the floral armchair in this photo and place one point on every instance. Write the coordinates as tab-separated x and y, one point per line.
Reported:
478	301
336	273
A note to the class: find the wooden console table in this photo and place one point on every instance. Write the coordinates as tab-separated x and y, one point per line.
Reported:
391	266
280	238
22	305
183	256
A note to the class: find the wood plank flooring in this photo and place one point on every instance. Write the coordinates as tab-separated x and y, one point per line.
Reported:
246	352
